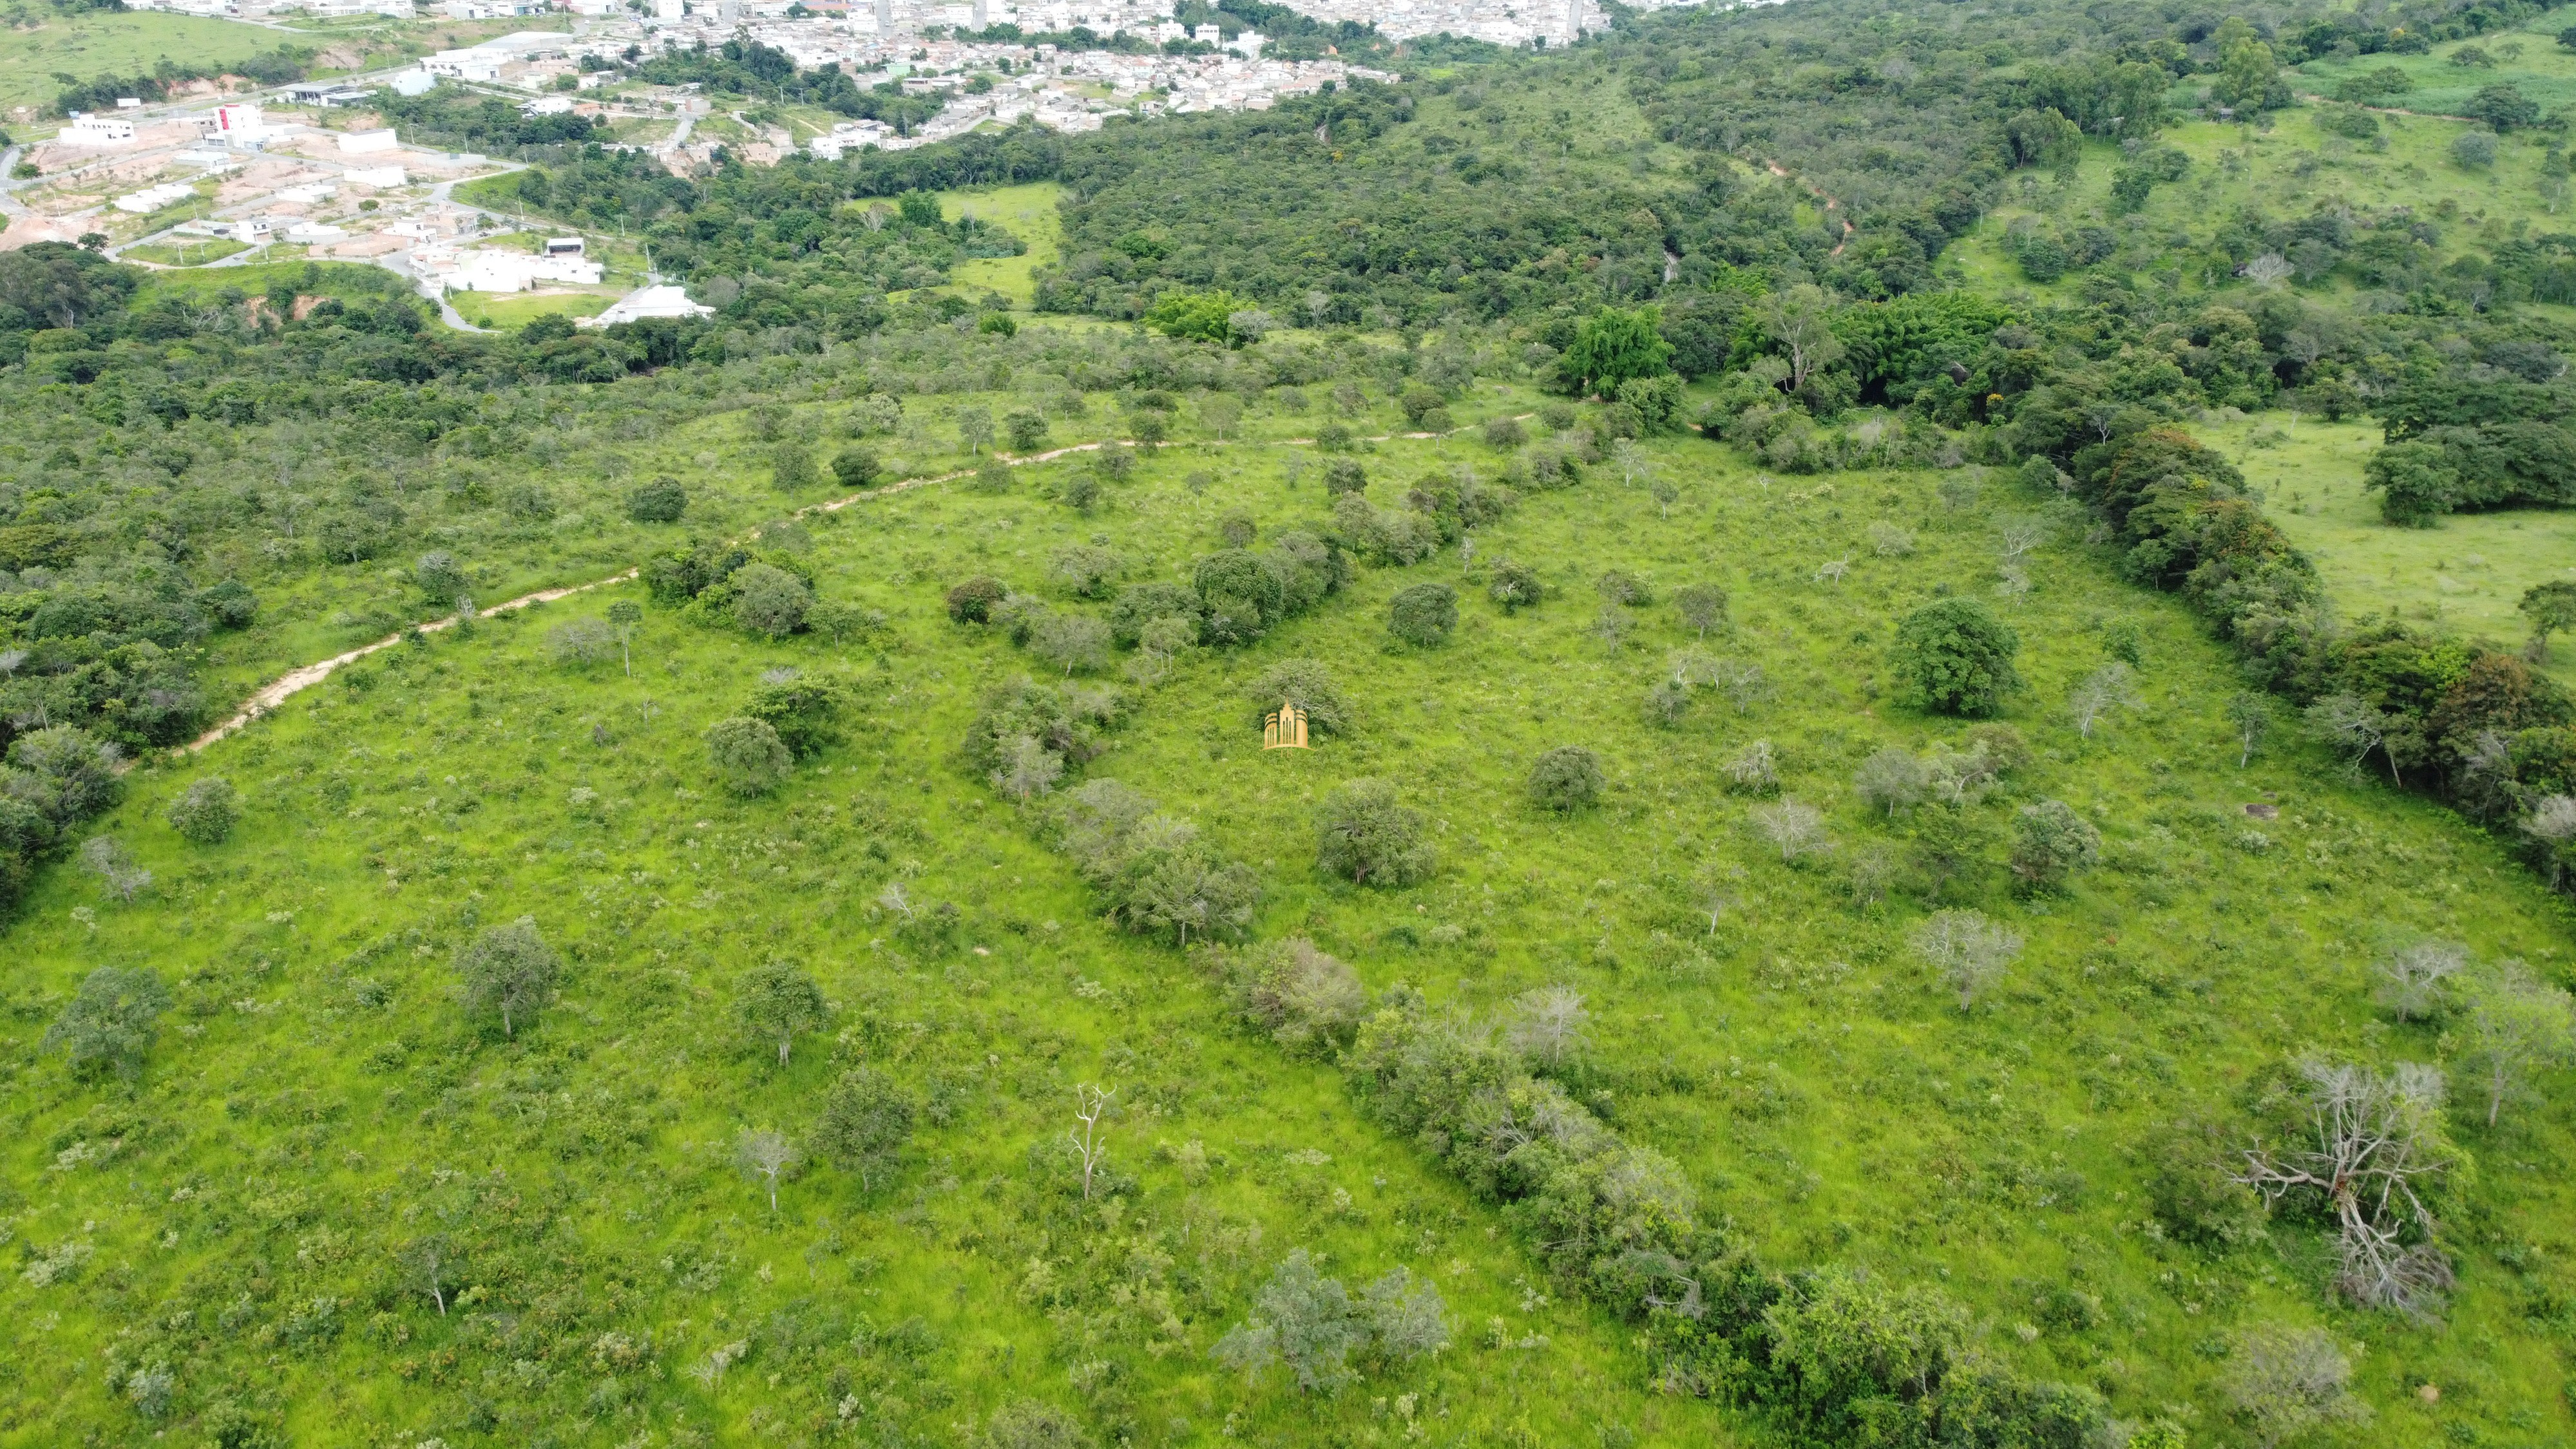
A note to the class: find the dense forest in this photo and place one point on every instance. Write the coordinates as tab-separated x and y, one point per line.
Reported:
1856	884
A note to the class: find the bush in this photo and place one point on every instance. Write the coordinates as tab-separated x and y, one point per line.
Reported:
1505	433
661	501
1303	999
110	1026
1364	833
972	601
857	468
2051	844
791	466
2415	483
1515	586
1423	614
2195	1198
1345	475
441	580
804	713
1029	1424
748	755
580	642
1566	779
769	600
205	812
1307	684
1138	605
1956	657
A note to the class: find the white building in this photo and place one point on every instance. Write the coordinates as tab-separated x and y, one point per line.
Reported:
152	198
363	143
237	125
98	131
382	178
649	302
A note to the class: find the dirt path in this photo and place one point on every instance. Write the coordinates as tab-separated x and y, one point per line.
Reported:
296	681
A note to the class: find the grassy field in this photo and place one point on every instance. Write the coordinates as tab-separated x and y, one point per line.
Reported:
92	43
490	309
2532	61
1027	212
2461	577
196	253
1829	1100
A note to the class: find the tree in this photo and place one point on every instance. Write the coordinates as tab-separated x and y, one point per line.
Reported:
1301	1319
1702	607
1028	768
1547	1024
1090	1105
1309	685
1799	321
110	1025
2051	843
972	601
974	428
1344	475
2552	822
2411	980
441	580
1566	779
2518	1024
1071	642
805	712
508	971
2113	686
429	1261
662	500
769	600
791	466
1220	411
2288	1382
857	469
1754	769
765	1154
778	1000
1792	829
1613	346
867	1120
2503	107
1967	950
2247	75
624	616
1892	780
2370	1148
2551	608
2250	716
580	641
107	858
1026	429
749	756
205	812
1957	658
2350	722
1423	614
70	775
1365	832
1515	586
1406	1315
2474	150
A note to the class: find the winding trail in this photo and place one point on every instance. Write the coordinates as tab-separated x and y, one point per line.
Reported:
296	681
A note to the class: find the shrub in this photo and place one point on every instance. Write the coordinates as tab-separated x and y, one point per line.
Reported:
581	642
1240	595
2051	844
972	601
769	600
1515	586
1026	430
791	466
110	1026
1084	571
1029	1424
2196	1198
1366	834
1138	605
1625	589
1566	779
1307	684
440	578
230	604
205	812
2415	483
1345	475
804	713
1506	433
2474	150
856	468
1956	657
661	501
1423	614
1305	1000
748	755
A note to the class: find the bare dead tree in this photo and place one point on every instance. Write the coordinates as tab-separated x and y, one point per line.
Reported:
1090	1104
2411	980
2372	1141
1793	829
1970	951
765	1154
1548	1023
2111	687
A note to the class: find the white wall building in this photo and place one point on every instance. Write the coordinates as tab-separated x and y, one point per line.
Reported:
98	131
364	143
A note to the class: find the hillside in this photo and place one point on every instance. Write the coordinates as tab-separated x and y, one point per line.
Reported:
1872	763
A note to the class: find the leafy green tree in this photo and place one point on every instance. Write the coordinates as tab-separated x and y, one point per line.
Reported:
508	971
2287	1383
769	600
2415	482
857	468
1364	831
778	1000
1423	614
2249	715
662	500
1614	345
2503	107
749	756
805	712
2518	1025
1566	779
2051	844
1301	1319
867	1121
972	601
1344	475
205	812
1204	316
2474	150
2247	75
110	1025
2551	608
791	466
1515	586
1308	684
441	580
1956	657
1799	323
975	428
1027	430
